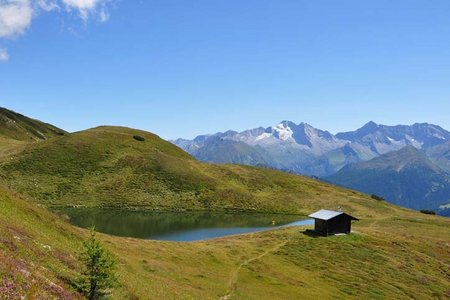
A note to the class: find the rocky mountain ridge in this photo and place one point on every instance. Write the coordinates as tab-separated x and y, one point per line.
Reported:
301	148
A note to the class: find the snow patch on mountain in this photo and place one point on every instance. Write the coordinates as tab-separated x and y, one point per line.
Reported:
283	132
263	136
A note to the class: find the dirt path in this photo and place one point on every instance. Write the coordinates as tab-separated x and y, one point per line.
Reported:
232	283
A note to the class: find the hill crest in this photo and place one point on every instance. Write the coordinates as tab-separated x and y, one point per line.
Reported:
19	127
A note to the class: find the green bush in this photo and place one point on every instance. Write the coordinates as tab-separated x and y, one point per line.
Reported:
376	197
427	211
139	138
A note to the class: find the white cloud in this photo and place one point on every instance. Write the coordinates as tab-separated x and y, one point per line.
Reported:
15	17
86	8
4	55
82	4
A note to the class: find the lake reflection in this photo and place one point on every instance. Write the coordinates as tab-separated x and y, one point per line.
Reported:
181	226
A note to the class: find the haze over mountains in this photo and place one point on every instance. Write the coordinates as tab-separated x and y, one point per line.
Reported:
301	148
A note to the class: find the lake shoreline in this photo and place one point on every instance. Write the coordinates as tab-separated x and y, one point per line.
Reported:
176	226
158	210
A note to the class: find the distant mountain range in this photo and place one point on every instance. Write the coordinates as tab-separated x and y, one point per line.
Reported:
301	148
406	177
304	149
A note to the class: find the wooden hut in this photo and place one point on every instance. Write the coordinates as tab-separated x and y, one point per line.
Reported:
330	222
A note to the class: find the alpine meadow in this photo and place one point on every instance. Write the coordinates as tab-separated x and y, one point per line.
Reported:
142	154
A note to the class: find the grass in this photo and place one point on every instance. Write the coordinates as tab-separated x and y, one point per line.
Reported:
36	250
374	263
402	256
10	146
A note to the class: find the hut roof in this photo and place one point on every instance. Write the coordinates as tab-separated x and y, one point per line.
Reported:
325	214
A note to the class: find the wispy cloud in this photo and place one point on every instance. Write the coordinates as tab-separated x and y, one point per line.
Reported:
4	55
16	16
48	5
103	15
87	8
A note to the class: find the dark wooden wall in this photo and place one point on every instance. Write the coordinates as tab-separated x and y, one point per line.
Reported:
320	226
339	224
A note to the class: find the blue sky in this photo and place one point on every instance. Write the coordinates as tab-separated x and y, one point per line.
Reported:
183	68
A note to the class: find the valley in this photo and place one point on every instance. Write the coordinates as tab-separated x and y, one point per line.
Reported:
393	252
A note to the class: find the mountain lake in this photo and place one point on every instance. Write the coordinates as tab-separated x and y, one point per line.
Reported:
177	226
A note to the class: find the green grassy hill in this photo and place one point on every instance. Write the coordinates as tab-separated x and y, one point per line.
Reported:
107	167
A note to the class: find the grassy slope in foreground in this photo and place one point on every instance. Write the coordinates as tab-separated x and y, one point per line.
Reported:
106	166
401	255
36	250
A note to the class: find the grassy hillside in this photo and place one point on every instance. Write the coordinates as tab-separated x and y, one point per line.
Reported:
394	253
37	257
400	255
384	260
10	146
21	128
107	167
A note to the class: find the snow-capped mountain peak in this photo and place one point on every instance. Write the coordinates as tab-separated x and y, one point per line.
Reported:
283	132
306	149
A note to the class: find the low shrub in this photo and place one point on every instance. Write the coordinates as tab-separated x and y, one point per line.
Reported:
376	197
139	138
428	212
